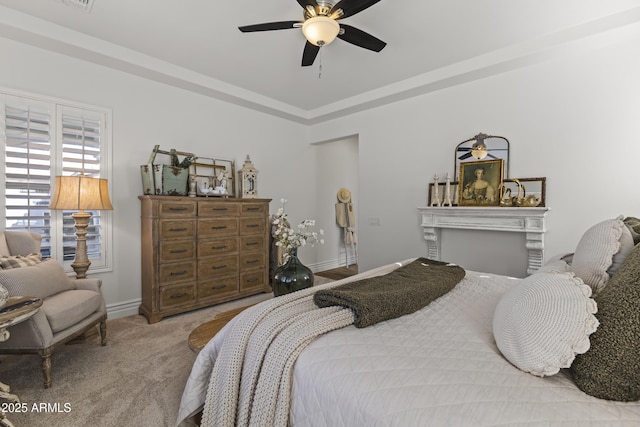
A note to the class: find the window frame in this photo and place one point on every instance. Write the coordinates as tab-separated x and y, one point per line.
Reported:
58	107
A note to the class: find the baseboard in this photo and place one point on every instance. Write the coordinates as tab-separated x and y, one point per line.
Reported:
123	309
330	265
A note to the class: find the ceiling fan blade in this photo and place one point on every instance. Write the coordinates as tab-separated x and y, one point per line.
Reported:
309	54
360	38
351	7
269	26
304	3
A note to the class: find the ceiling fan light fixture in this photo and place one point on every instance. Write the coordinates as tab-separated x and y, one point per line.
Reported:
479	151
320	30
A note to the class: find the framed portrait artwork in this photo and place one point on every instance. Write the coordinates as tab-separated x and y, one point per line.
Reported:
479	183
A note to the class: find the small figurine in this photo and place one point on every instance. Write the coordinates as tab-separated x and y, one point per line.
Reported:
435	200
447	192
192	186
222	178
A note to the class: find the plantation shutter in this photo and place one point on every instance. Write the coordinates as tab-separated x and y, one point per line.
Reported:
81	132
28	169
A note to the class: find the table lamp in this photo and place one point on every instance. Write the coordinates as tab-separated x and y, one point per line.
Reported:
80	192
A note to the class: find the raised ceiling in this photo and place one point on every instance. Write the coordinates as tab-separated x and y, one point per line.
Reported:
195	44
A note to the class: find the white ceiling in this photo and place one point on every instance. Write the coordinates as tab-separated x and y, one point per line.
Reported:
195	44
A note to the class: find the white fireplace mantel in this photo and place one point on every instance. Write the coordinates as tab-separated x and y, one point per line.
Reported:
530	221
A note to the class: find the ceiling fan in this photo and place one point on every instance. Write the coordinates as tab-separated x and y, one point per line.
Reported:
320	26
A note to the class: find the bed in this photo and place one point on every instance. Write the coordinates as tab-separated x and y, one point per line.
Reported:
468	358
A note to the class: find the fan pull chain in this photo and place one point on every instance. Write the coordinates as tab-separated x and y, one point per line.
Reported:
320	66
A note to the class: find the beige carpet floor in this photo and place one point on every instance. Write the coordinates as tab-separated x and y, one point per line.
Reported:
136	380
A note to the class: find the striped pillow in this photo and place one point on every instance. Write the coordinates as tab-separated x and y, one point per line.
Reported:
18	261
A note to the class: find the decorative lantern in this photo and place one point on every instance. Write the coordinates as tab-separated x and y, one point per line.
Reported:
248	177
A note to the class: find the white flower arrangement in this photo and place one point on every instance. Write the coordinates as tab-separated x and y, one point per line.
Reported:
289	238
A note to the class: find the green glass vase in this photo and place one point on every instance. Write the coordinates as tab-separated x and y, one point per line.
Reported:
292	276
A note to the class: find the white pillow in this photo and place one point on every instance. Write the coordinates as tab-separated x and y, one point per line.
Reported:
557	264
595	253
626	246
40	281
543	321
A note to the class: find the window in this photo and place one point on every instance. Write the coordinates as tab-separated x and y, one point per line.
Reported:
42	138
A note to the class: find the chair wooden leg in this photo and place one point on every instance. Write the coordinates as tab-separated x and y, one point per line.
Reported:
46	366
103	332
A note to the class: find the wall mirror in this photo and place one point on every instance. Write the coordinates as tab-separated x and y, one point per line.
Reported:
482	147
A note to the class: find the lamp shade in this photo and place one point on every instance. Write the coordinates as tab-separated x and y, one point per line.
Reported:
320	30
81	192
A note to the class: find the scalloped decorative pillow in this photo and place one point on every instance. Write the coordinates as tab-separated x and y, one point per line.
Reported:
543	321
557	264
595	253
611	368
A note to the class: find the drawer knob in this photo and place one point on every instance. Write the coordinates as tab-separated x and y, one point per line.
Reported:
252	243
218	267
253	209
218	227
253	225
178	251
252	261
219	247
178	273
178	229
180	208
215	288
180	295
253	279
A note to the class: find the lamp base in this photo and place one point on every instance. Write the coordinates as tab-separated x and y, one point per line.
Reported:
81	262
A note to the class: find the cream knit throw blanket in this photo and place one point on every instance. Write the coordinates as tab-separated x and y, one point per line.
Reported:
250	383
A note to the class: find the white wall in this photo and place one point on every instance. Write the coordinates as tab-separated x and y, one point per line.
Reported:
146	113
574	119
336	167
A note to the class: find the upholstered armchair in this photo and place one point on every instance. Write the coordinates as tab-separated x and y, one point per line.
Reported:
69	309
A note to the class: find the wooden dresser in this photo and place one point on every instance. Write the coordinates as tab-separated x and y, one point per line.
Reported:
198	252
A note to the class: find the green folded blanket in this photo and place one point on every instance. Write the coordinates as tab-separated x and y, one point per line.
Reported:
403	291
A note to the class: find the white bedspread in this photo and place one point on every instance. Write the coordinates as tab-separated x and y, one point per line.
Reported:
436	367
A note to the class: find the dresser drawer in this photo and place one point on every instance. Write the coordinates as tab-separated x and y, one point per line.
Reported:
217	227
217	267
252	225
252	280
177	272
213	247
221	286
252	260
254	209
252	243
172	229
177	295
177	250
213	209
177	208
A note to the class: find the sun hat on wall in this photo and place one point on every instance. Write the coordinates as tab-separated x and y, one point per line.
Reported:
344	195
